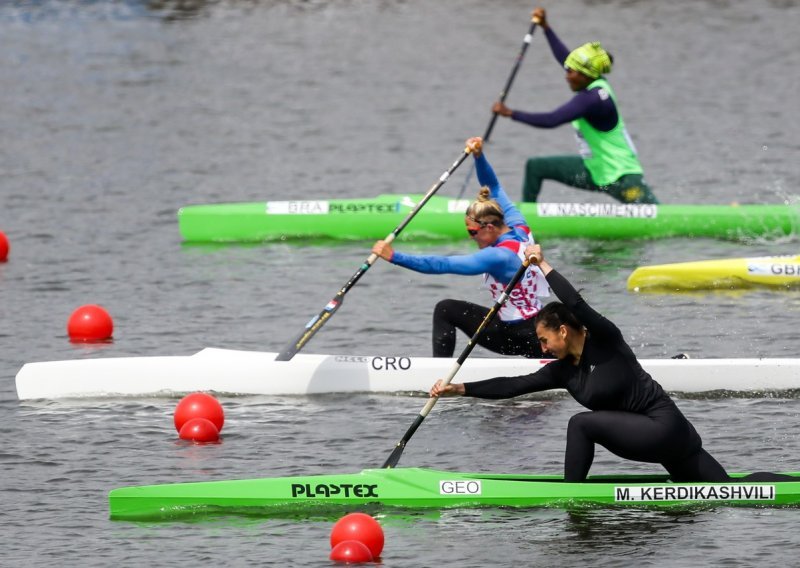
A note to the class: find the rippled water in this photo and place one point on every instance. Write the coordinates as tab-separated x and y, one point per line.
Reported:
115	114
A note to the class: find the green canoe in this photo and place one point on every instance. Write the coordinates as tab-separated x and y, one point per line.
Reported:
420	488
443	218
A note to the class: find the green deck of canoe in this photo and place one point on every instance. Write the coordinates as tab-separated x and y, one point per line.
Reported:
443	218
420	488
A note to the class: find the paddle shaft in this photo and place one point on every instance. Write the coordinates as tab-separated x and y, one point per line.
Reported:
316	323
398	450
503	94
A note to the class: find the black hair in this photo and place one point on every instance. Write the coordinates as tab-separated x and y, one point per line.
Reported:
556	314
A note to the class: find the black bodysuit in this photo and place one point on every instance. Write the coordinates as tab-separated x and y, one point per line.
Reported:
630	414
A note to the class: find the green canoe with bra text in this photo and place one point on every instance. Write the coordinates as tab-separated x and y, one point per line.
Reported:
442	218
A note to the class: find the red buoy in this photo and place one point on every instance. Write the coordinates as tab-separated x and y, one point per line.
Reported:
351	551
4	247
90	323
199	405
360	527
199	430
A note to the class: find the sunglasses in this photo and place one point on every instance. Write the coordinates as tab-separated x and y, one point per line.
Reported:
481	225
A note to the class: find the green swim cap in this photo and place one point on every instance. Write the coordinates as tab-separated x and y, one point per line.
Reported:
590	59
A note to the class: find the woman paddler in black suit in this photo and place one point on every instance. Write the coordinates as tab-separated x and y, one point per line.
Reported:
629	413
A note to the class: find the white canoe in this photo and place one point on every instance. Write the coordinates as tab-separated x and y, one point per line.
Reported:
227	371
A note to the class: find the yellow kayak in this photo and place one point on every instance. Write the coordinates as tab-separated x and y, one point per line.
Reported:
727	274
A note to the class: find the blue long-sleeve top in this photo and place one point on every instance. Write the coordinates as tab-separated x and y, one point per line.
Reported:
500	262
595	105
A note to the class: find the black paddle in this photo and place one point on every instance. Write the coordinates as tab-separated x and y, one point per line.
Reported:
398	449
313	326
503	94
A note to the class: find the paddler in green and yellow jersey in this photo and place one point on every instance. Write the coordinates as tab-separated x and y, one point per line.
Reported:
608	162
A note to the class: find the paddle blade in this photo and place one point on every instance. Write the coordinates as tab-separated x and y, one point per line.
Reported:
401	445
394	458
312	327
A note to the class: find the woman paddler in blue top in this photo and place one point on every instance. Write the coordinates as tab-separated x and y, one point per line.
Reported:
501	233
608	162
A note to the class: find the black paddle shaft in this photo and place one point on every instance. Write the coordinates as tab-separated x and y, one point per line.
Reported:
503	94
316	323
394	457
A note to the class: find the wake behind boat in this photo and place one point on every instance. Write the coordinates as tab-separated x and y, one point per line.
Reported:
228	371
443	218
421	488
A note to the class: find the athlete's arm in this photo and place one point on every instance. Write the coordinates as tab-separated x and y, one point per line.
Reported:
486	176
500	262
508	387
594	322
560	51
600	111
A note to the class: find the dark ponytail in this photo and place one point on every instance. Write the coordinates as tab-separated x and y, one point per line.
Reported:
556	314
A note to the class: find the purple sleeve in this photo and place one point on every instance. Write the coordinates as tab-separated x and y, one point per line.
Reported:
560	51
573	109
599	111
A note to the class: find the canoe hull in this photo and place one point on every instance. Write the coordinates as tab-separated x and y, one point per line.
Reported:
420	488
229	371
443	218
775	272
